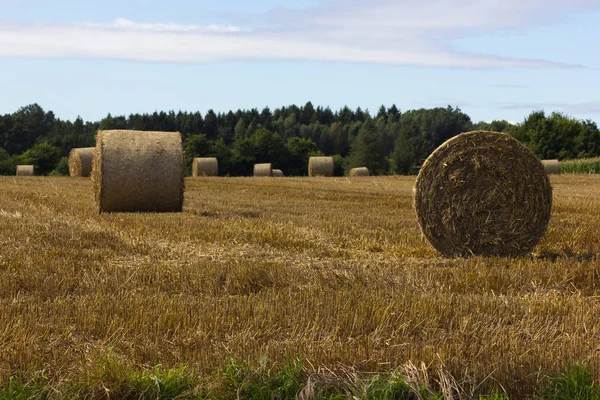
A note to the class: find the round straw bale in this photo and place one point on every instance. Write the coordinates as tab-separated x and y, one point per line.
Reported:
483	193
320	166
138	171
263	169
80	161
362	171
25	170
551	166
277	173
205	166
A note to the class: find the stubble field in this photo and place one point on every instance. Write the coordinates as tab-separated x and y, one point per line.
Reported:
331	272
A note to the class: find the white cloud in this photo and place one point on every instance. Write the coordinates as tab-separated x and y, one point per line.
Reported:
400	32
128	25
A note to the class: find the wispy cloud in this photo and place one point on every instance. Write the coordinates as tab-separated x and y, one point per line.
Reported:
591	107
405	32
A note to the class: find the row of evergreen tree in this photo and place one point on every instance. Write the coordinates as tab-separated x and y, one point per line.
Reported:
389	142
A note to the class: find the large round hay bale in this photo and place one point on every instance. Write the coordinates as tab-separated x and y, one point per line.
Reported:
263	170
80	161
205	166
551	166
25	170
320	166
138	171
361	171
277	173
483	193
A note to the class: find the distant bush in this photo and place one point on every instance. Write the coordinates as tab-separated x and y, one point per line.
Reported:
62	168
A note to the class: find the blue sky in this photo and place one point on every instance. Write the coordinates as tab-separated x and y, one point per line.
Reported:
495	59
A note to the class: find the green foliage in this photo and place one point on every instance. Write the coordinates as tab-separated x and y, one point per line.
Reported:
390	142
494	126
367	150
197	146
240	381
340	165
62	168
43	156
585	166
299	151
575	382
559	136
7	164
421	132
389	387
18	390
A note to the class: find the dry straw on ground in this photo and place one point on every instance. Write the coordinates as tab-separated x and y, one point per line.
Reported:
205	166
320	166
551	166
277	173
362	171
25	170
80	161
138	171
483	193
263	169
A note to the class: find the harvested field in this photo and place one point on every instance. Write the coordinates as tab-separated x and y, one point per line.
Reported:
334	272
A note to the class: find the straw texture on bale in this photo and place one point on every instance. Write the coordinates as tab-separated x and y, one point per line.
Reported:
362	171
263	169
138	171
483	193
320	166
205	166
80	161
25	170
551	166
277	173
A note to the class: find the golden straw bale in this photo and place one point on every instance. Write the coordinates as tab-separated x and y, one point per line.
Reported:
361	171
320	166
263	169
80	161
483	193
138	171
277	173
25	170
551	166
205	166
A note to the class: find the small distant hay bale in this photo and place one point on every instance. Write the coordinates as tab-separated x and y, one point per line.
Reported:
25	170
483	193
80	161
320	166
263	169
277	173
137	171
551	166
205	166
361	171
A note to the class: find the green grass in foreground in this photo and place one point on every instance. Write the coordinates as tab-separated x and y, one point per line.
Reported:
584	166
113	379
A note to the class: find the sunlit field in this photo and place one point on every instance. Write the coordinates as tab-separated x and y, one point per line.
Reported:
331	273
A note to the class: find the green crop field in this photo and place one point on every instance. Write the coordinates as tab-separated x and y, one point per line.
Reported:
302	287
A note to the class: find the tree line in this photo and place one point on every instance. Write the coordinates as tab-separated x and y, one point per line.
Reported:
388	142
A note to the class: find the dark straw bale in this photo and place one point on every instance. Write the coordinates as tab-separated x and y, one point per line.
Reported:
483	193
